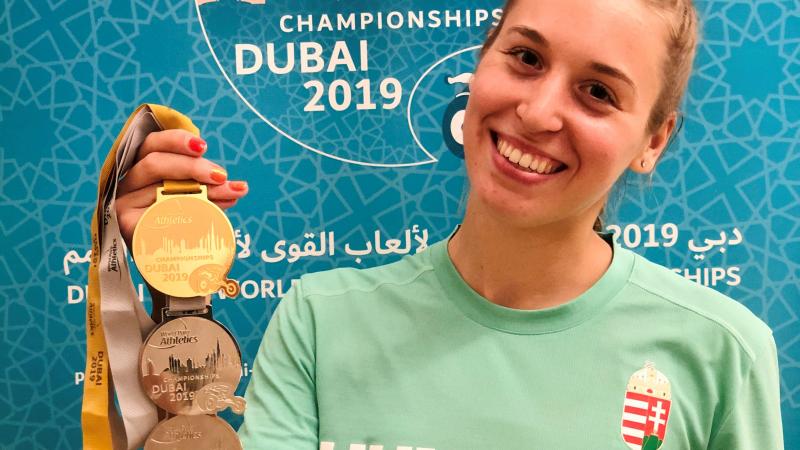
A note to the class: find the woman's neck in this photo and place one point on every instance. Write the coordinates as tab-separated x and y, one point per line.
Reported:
527	268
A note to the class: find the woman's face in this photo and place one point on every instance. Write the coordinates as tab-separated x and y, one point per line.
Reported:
559	105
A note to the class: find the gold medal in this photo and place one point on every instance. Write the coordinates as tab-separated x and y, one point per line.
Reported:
191	365
193	433
183	244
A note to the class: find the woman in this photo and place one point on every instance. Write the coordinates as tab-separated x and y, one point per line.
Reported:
526	328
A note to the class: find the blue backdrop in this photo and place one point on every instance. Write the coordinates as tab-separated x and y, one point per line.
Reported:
342	124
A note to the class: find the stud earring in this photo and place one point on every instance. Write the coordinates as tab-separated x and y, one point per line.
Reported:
644	164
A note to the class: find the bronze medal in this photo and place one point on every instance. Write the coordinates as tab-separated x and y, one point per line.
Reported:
193	433
184	245
191	365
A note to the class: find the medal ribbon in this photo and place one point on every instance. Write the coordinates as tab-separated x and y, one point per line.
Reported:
116	322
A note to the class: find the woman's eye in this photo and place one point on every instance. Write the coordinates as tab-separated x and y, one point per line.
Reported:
529	58
526	57
601	93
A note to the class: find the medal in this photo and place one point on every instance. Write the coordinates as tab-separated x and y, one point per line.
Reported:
191	365
193	433
184	244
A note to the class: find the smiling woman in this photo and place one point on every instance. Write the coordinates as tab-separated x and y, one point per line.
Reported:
526	328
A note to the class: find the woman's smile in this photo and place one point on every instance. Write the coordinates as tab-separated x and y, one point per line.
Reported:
523	162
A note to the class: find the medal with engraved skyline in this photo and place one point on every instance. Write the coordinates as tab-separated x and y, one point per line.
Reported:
191	365
184	246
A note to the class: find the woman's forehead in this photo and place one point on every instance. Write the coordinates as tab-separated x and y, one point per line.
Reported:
625	34
626	20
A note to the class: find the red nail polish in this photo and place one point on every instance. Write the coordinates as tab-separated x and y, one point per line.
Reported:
197	145
238	185
218	175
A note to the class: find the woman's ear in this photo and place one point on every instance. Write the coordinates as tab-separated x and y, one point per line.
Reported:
656	144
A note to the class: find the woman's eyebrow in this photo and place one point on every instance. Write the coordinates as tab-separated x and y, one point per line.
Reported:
599	67
531	34
612	72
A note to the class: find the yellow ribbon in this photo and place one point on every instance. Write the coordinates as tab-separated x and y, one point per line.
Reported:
100	420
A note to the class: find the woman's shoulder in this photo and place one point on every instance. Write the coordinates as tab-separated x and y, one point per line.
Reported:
701	303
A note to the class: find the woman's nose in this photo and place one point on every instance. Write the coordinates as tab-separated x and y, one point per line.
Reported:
542	108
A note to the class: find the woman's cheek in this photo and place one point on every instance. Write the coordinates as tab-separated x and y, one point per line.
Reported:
483	102
492	85
598	139
471	126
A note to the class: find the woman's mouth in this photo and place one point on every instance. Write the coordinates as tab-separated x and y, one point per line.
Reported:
527	161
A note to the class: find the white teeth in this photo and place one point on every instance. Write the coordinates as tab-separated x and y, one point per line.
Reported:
533	163
525	161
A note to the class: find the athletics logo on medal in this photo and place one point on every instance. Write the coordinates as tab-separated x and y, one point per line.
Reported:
645	413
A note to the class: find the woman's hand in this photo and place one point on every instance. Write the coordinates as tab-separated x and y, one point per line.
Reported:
173	155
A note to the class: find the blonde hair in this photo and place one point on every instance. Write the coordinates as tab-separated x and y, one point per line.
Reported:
680	18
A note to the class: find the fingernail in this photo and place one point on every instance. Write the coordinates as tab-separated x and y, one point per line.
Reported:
197	145
238	185
219	175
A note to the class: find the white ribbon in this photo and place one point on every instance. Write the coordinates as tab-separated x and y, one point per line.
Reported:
125	321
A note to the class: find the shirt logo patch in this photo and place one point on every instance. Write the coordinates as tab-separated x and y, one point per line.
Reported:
645	412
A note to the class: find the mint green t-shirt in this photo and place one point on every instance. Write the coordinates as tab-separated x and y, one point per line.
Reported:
407	356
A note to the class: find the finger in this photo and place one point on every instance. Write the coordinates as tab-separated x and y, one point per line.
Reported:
140	198
146	196
160	166
172	141
225	204
232	190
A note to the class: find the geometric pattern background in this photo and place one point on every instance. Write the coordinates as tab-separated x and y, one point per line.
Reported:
72	71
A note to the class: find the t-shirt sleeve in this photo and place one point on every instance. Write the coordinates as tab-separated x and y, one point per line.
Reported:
281	410
754	421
